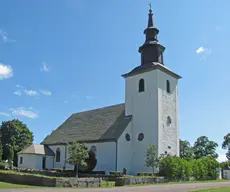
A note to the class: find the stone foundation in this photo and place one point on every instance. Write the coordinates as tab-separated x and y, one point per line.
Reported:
48	181
121	181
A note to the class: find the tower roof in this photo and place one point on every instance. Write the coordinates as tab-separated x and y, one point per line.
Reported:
151	50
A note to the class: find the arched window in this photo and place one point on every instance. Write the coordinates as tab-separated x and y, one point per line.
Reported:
168	86
58	155
141	85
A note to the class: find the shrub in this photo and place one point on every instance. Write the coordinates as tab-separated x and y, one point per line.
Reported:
3	165
144	174
116	173
178	169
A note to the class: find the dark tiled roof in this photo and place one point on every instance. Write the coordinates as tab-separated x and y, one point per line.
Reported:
37	150
103	124
150	67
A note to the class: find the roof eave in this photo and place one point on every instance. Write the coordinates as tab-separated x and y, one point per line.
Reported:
158	66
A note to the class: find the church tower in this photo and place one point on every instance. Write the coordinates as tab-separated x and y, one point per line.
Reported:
151	98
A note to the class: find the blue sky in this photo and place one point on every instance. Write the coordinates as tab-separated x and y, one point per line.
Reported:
60	57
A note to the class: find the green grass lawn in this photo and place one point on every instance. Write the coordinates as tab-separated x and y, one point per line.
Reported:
4	185
224	189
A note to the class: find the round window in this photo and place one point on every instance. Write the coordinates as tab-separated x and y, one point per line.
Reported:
140	136
93	149
127	137
169	121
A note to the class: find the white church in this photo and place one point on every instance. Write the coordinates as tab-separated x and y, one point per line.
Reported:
118	135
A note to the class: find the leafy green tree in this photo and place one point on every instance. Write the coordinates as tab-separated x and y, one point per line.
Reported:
226	145
78	155
1	151
205	148
16	134
186	151
152	158
175	168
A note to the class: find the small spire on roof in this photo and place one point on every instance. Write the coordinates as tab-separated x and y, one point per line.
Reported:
150	21
150	7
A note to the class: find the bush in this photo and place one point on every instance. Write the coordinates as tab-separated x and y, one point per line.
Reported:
116	173
178	169
3	165
225	165
144	174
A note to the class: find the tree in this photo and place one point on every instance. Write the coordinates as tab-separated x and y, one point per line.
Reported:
226	145
14	134
1	151
77	155
205	148
186	151
152	158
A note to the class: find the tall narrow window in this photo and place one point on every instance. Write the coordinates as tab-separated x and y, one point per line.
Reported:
141	85
168	86
21	160
58	155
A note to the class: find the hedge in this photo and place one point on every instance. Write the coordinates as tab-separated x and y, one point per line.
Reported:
116	173
144	174
178	169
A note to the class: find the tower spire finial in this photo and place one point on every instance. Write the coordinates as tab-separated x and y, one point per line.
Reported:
150	7
150	21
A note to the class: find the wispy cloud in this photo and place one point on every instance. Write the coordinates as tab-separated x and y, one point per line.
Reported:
24	112
204	52
89	97
5	37
6	71
200	50
46	92
22	90
45	67
18	93
4	114
30	92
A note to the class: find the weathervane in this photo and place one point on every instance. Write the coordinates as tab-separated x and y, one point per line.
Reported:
150	7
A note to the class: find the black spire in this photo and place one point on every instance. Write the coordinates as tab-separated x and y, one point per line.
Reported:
150	22
151	51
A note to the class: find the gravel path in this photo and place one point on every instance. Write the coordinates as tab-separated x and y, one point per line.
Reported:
153	188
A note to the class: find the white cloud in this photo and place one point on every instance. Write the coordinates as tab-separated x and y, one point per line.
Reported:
4	114
30	92
23	112
46	92
18	93
6	71
205	52
4	36
200	50
45	67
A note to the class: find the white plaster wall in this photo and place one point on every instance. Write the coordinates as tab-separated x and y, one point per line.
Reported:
168	106
49	162
124	149
60	164
29	161
106	156
143	107
149	110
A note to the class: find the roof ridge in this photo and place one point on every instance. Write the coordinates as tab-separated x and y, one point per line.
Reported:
94	109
